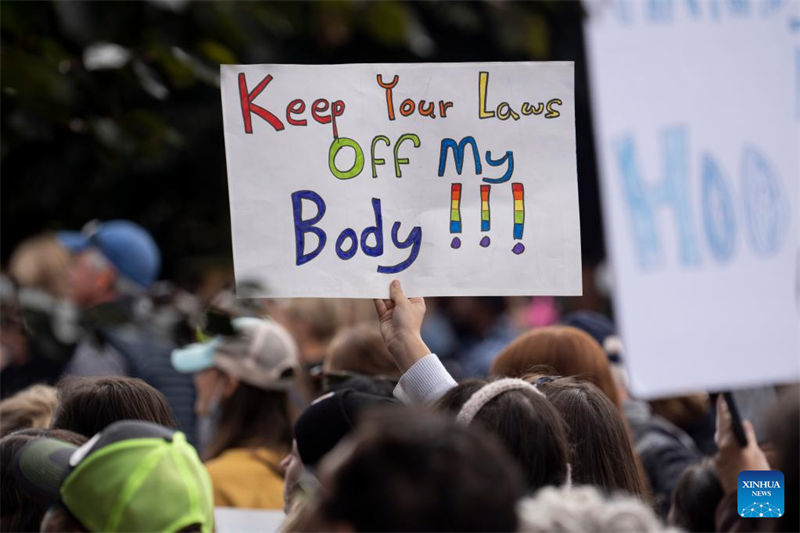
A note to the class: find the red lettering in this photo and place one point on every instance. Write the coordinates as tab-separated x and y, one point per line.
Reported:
296	107
337	110
248	106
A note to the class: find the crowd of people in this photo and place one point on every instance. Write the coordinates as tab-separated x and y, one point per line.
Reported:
130	405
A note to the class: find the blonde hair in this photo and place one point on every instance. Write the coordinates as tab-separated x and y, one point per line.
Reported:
41	262
29	408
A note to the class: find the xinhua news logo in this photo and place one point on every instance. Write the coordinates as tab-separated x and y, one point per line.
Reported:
760	494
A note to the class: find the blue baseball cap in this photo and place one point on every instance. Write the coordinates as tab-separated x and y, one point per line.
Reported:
126	245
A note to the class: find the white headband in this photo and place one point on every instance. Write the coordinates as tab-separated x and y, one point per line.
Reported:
486	393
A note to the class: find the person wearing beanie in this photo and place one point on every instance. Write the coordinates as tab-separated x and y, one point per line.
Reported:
318	430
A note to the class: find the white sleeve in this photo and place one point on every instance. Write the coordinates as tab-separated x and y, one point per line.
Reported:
425	382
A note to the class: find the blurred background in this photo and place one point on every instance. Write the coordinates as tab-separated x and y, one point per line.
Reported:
112	109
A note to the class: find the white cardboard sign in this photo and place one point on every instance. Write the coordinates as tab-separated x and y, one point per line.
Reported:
695	119
458	179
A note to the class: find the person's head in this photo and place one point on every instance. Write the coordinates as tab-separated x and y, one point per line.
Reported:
29	408
527	424
567	350
313	323
602	451
684	411
88	405
579	509
417	471
319	429
109	259
698	491
132	476
360	350
18	511
242	382
41	262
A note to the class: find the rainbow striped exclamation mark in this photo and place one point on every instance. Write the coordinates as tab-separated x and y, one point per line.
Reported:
519	216
485	219
455	214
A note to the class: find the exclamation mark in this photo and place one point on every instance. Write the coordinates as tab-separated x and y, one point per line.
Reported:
519	216
485	217
455	214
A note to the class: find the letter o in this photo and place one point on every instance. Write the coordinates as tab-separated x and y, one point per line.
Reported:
766	208
358	164
348	233
407	107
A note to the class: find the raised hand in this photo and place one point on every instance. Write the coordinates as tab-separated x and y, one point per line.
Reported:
401	322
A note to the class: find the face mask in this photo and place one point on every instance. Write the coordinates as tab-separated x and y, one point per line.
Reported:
207	423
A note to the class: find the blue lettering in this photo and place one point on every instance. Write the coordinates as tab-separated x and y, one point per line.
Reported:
414	240
718	216
458	154
766	208
672	191
660	10
508	158
301	226
376	230
348	233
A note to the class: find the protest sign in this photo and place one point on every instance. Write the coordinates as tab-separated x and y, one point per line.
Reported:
458	179
695	119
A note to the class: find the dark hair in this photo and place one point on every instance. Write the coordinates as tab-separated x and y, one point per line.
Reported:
88	405
18	510
252	417
695	497
602	451
527	424
418	471
567	350
60	520
783	433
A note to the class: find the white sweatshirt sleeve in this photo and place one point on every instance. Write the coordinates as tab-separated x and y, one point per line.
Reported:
425	382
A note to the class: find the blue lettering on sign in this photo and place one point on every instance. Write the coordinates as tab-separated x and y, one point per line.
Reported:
718	217
766	208
672	192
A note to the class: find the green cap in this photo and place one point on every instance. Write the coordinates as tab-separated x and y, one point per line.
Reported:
132	476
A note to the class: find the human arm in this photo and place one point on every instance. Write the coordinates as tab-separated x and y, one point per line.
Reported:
424	378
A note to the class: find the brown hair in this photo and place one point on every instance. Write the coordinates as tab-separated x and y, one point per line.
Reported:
361	349
29	408
416	471
18	510
252	417
683	411
88	405
567	350
602	451
527	424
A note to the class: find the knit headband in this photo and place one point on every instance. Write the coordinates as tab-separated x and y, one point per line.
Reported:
485	394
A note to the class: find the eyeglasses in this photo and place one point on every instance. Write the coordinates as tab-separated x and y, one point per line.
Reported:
331	379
